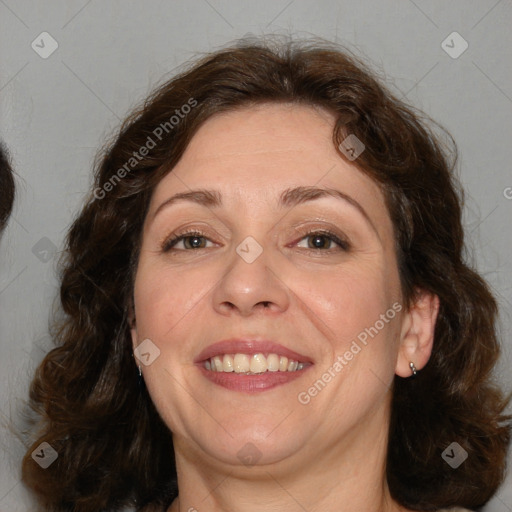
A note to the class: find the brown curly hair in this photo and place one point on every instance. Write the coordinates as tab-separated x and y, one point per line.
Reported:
113	448
7	189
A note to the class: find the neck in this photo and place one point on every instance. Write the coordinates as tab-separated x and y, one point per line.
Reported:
348	477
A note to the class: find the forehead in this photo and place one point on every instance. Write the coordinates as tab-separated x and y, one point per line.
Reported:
253	153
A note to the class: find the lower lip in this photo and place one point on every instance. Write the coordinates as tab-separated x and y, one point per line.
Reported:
251	383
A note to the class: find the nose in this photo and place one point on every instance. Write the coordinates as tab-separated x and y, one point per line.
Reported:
246	288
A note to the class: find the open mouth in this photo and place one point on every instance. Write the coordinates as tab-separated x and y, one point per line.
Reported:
250	365
253	364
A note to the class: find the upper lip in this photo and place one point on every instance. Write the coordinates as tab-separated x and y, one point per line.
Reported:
249	346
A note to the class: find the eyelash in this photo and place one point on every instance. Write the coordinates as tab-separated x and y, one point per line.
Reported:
168	244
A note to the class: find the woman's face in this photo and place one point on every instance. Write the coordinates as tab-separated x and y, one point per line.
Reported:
258	265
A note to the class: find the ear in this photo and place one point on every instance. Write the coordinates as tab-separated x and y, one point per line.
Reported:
417	334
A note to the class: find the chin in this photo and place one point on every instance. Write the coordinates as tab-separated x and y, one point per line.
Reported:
249	442
251	451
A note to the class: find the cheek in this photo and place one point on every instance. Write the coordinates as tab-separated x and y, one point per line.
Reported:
349	299
164	306
163	297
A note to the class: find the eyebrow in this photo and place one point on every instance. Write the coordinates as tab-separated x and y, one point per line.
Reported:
288	198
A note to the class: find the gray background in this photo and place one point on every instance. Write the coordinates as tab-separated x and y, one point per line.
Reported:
57	111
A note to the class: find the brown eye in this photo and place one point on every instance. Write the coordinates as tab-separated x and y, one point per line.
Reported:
191	240
323	240
319	241
195	242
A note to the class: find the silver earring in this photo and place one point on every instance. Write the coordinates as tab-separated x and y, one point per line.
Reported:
411	364
140	379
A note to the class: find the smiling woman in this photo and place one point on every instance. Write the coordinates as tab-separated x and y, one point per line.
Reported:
297	234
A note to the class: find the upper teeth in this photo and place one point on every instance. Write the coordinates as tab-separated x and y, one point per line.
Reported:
257	363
